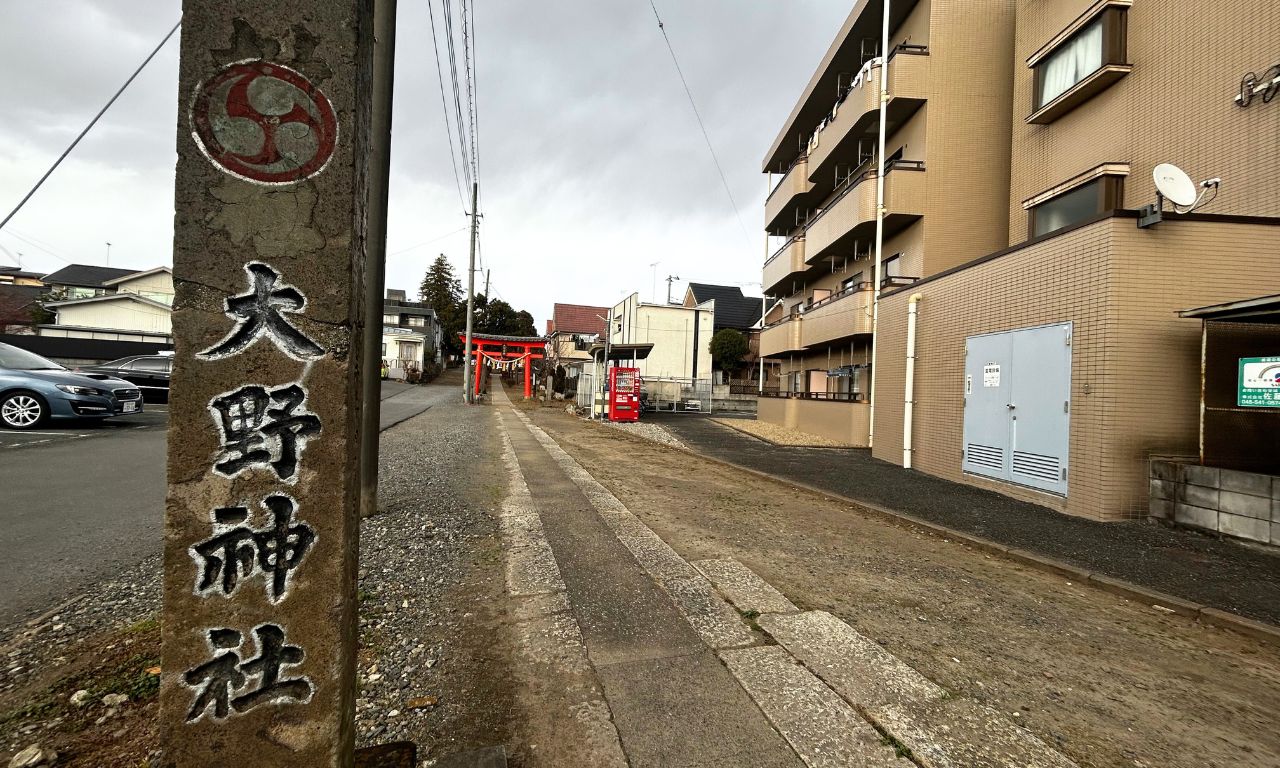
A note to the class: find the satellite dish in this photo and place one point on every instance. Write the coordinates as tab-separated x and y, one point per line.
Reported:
1176	185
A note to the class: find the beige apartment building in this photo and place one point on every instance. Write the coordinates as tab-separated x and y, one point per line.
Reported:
1049	363
947	169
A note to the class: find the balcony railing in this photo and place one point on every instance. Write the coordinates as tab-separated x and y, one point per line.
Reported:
844	397
839	316
787	261
855	204
782	336
794	183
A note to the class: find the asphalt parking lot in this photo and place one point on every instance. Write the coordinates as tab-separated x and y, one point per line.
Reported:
81	500
153	416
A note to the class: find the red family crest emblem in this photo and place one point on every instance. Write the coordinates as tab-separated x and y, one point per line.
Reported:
264	123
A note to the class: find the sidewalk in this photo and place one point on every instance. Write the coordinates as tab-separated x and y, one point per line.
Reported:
1215	573
661	670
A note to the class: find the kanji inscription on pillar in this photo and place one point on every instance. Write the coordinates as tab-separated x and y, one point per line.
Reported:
261	521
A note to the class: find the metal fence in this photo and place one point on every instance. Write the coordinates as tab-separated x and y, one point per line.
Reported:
668	395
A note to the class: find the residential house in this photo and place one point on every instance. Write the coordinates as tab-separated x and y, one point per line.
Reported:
19	276
411	335
570	332
735	311
110	304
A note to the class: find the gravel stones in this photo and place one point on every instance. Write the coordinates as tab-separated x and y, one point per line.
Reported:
33	756
654	432
779	435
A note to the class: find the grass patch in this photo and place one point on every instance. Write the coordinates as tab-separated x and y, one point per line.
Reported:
149	624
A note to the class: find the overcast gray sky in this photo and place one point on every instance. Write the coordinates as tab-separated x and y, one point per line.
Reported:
592	165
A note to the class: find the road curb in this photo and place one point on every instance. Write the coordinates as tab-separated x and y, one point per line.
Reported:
1204	614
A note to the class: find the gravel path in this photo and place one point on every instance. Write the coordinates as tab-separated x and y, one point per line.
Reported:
780	435
655	432
433	665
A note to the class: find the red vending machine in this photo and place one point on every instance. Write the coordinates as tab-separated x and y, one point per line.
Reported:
624	394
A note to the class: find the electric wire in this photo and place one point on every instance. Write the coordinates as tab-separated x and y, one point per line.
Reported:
92	123
444	105
428	242
463	141
723	180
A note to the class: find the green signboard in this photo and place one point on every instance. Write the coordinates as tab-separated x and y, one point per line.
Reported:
1259	382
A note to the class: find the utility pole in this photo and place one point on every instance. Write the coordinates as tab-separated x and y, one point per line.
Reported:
670	279
486	286
108	255
384	55
467	393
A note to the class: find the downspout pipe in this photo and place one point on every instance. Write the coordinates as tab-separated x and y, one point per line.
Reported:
879	271
909	397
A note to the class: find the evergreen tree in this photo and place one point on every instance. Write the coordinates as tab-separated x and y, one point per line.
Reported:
442	291
728	347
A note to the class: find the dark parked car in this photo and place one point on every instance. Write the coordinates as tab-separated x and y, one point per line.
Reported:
34	390
150	373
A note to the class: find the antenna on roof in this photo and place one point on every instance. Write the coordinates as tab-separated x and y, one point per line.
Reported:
1173	183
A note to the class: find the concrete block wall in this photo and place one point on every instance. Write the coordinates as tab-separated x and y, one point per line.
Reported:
1244	505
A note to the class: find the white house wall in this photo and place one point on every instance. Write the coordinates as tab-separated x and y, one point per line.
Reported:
160	282
670	329
122	315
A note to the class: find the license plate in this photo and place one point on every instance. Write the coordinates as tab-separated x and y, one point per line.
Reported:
130	407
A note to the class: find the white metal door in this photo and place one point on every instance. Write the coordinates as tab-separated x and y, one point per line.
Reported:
1040	416
1017	406
986	403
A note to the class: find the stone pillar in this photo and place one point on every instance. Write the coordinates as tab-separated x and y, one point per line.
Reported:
261	520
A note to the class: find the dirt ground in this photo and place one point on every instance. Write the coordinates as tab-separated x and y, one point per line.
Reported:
1109	682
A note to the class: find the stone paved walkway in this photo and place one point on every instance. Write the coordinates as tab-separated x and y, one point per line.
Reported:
659	668
1216	573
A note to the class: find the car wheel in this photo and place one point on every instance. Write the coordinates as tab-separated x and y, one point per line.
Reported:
23	410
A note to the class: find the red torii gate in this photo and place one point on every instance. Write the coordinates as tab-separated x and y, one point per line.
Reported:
507	348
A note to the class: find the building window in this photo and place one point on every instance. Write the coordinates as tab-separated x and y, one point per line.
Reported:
1098	46
417	321
1076	205
390	319
1075	60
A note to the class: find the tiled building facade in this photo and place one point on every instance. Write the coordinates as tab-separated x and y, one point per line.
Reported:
1096	93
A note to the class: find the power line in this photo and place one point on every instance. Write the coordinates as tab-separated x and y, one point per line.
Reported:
444	105
467	163
662	28
92	123
428	242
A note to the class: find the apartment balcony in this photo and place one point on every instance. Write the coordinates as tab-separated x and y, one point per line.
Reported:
781	266
839	316
781	338
790	194
854	119
849	215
